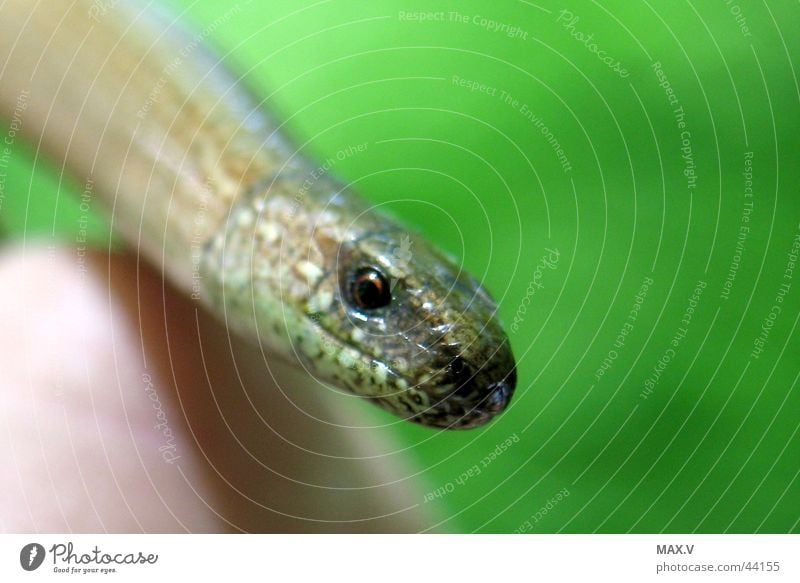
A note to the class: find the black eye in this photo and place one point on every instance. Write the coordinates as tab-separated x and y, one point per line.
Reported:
370	289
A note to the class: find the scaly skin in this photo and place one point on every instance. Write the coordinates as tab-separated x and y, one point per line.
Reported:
279	271
202	182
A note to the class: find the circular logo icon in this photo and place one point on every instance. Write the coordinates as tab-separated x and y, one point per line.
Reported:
31	556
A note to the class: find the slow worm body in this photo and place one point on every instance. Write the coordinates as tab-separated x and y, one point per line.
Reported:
197	178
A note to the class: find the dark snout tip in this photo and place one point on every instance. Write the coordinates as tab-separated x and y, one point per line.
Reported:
500	393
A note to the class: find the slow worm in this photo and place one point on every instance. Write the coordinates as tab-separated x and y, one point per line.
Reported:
197	178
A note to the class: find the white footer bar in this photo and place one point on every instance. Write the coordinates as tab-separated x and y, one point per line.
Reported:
406	558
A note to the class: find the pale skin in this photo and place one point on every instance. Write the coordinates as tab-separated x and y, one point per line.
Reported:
126	408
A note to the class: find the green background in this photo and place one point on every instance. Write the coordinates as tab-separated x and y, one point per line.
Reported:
715	447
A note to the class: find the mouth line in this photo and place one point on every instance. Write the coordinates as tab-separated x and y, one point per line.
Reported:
369	363
463	412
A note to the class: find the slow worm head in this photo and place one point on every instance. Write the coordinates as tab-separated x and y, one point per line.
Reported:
200	180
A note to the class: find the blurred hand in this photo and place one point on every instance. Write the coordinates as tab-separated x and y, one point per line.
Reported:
125	408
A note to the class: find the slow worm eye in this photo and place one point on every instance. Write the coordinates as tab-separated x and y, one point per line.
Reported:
370	289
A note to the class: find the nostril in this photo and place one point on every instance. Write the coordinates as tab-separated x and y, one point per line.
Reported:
459	373
457	366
